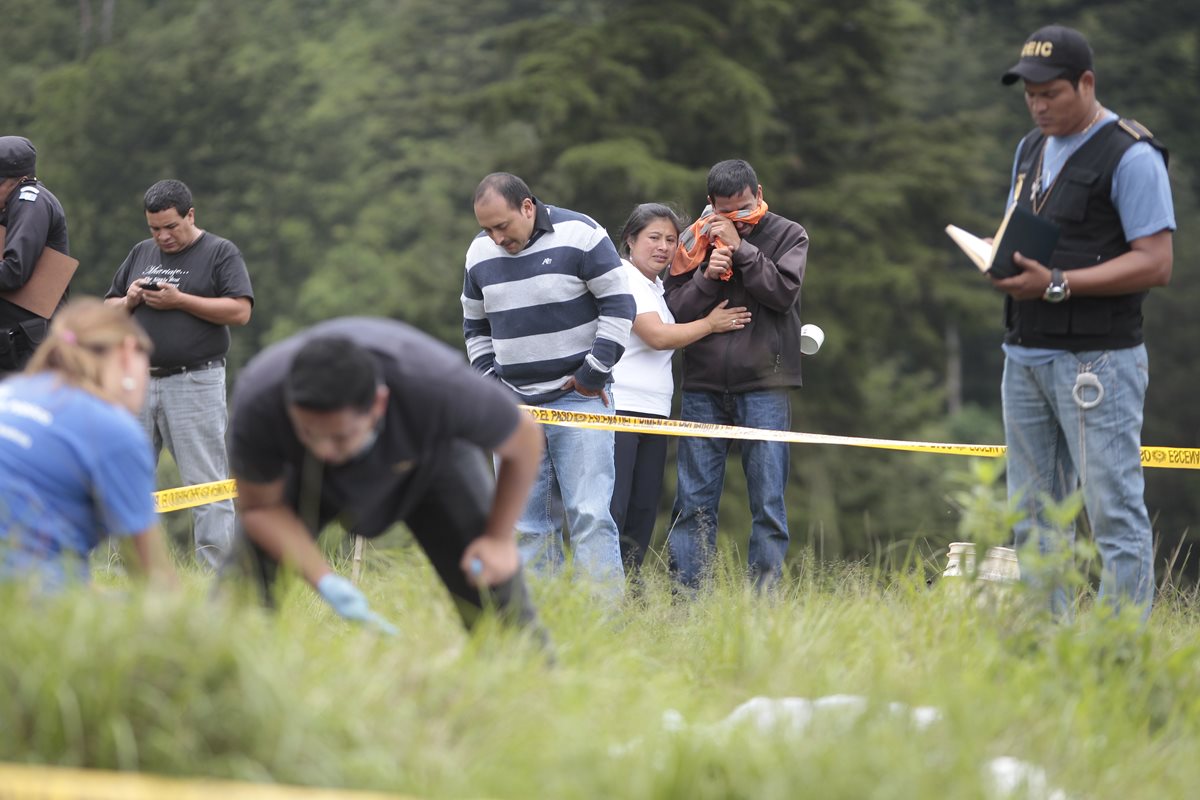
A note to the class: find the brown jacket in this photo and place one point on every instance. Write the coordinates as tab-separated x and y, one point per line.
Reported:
768	270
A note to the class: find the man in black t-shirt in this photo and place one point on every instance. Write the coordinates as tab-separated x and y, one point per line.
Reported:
34	220
371	422
186	287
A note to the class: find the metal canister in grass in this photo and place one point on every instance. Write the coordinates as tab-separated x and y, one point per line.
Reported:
989	585
1000	566
960	560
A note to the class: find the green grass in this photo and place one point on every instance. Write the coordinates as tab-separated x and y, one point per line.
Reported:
185	685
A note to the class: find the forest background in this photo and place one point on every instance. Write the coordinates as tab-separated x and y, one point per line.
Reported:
338	142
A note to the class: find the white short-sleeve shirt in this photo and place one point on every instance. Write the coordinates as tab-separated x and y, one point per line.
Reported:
642	379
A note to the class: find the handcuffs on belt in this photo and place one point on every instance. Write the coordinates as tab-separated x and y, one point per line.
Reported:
1084	380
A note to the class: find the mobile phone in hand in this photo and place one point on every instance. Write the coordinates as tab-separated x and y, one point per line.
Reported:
151	286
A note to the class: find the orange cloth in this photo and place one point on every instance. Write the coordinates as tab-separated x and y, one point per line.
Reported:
693	244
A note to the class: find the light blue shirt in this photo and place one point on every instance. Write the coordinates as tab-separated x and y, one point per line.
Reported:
73	470
1141	192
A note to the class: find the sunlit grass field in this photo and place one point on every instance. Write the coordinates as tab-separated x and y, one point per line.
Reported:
635	703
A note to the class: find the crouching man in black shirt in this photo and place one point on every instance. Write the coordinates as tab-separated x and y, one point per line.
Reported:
371	422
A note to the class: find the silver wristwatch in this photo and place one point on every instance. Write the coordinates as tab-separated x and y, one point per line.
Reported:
1058	290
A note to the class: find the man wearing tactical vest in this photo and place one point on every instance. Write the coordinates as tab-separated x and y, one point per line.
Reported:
1075	369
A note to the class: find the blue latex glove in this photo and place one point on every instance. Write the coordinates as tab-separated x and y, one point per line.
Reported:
350	603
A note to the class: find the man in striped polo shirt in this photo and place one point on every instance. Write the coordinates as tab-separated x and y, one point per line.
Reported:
547	312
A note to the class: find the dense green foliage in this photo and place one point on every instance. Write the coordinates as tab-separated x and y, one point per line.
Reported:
185	685
337	142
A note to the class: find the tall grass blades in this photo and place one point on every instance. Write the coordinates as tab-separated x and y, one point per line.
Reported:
637	704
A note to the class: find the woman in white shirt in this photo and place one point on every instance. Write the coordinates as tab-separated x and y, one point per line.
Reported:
642	382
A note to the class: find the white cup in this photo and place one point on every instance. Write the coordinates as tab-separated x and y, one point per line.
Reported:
811	338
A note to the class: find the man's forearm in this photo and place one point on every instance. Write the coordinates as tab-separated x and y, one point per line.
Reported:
485	365
1146	266
512	488
520	457
153	559
477	335
773	282
12	277
281	534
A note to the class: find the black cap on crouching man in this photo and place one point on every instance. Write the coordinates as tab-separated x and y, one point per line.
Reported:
17	157
1050	53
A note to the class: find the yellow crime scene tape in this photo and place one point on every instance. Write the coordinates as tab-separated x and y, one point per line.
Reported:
27	782
191	496
1165	457
1158	457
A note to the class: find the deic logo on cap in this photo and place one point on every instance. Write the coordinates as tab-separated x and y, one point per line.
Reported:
1037	50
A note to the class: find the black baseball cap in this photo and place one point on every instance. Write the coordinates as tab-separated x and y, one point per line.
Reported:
17	157
1052	52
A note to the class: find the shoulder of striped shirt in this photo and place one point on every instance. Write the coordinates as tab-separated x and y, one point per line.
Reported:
561	215
574	233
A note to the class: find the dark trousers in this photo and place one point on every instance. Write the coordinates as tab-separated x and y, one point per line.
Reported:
640	460
449	512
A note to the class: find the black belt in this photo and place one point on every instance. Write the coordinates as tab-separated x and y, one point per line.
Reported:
164	372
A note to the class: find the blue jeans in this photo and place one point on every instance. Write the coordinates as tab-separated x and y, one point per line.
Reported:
693	536
576	472
1055	445
187	413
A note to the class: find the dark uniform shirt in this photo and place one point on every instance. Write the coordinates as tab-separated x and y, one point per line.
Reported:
34	220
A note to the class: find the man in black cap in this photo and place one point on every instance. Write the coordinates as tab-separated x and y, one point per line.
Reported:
1076	371
34	220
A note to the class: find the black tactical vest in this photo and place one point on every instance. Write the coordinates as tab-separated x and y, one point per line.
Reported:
1080	202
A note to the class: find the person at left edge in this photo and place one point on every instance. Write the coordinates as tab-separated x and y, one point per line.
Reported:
35	220
201	288
371	422
74	463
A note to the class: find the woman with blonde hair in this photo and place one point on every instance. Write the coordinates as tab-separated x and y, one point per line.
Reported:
75	465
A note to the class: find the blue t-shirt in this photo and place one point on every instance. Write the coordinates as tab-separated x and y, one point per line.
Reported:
73	470
1141	192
